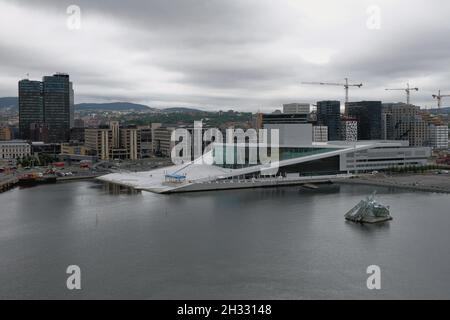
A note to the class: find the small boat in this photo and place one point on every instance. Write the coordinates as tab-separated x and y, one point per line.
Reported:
35	179
369	211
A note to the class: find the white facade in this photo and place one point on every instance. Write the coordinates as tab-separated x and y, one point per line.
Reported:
205	174
384	158
303	108
320	134
14	149
438	136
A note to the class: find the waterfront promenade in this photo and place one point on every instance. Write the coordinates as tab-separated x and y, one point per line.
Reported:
7	182
432	182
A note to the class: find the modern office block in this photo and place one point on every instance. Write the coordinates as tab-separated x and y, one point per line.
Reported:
31	106
368	114
50	102
329	115
58	106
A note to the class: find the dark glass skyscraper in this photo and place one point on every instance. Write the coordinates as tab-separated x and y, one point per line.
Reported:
31	106
58	106
329	114
49	102
368	115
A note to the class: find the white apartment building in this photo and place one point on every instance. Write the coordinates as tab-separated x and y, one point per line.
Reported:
14	149
320	134
303	108
438	136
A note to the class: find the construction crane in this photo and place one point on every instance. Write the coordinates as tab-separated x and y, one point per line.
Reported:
439	97
346	85
408	90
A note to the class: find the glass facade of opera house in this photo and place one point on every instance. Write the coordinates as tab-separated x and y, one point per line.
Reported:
222	158
327	160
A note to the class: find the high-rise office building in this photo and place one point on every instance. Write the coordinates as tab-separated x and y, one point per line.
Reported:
31	106
51	102
403	122
329	115
368	114
58	106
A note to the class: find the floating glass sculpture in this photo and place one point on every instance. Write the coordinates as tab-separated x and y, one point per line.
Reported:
369	211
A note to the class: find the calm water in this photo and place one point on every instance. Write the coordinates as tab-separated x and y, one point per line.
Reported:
286	243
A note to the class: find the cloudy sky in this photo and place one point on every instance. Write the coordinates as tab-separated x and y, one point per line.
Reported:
241	54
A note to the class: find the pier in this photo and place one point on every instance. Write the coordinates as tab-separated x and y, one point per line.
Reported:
7	183
237	183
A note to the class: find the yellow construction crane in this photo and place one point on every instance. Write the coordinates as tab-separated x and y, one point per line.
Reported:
439	97
346	85
408	90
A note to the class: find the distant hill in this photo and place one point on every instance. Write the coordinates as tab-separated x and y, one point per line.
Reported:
181	110
113	106
444	110
9	102
13	102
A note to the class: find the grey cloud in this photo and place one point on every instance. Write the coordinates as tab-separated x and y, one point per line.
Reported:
239	48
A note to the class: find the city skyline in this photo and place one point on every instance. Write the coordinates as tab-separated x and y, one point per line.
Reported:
186	54
245	152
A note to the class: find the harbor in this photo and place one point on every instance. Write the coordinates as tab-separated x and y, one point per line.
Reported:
9	182
288	243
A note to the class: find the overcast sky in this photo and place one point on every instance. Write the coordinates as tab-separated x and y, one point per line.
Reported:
242	54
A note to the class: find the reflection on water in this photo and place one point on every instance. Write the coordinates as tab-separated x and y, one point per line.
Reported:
368	228
115	189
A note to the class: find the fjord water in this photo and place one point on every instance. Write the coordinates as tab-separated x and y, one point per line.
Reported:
284	243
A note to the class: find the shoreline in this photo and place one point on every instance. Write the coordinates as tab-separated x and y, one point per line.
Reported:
8	184
406	181
13	182
75	178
